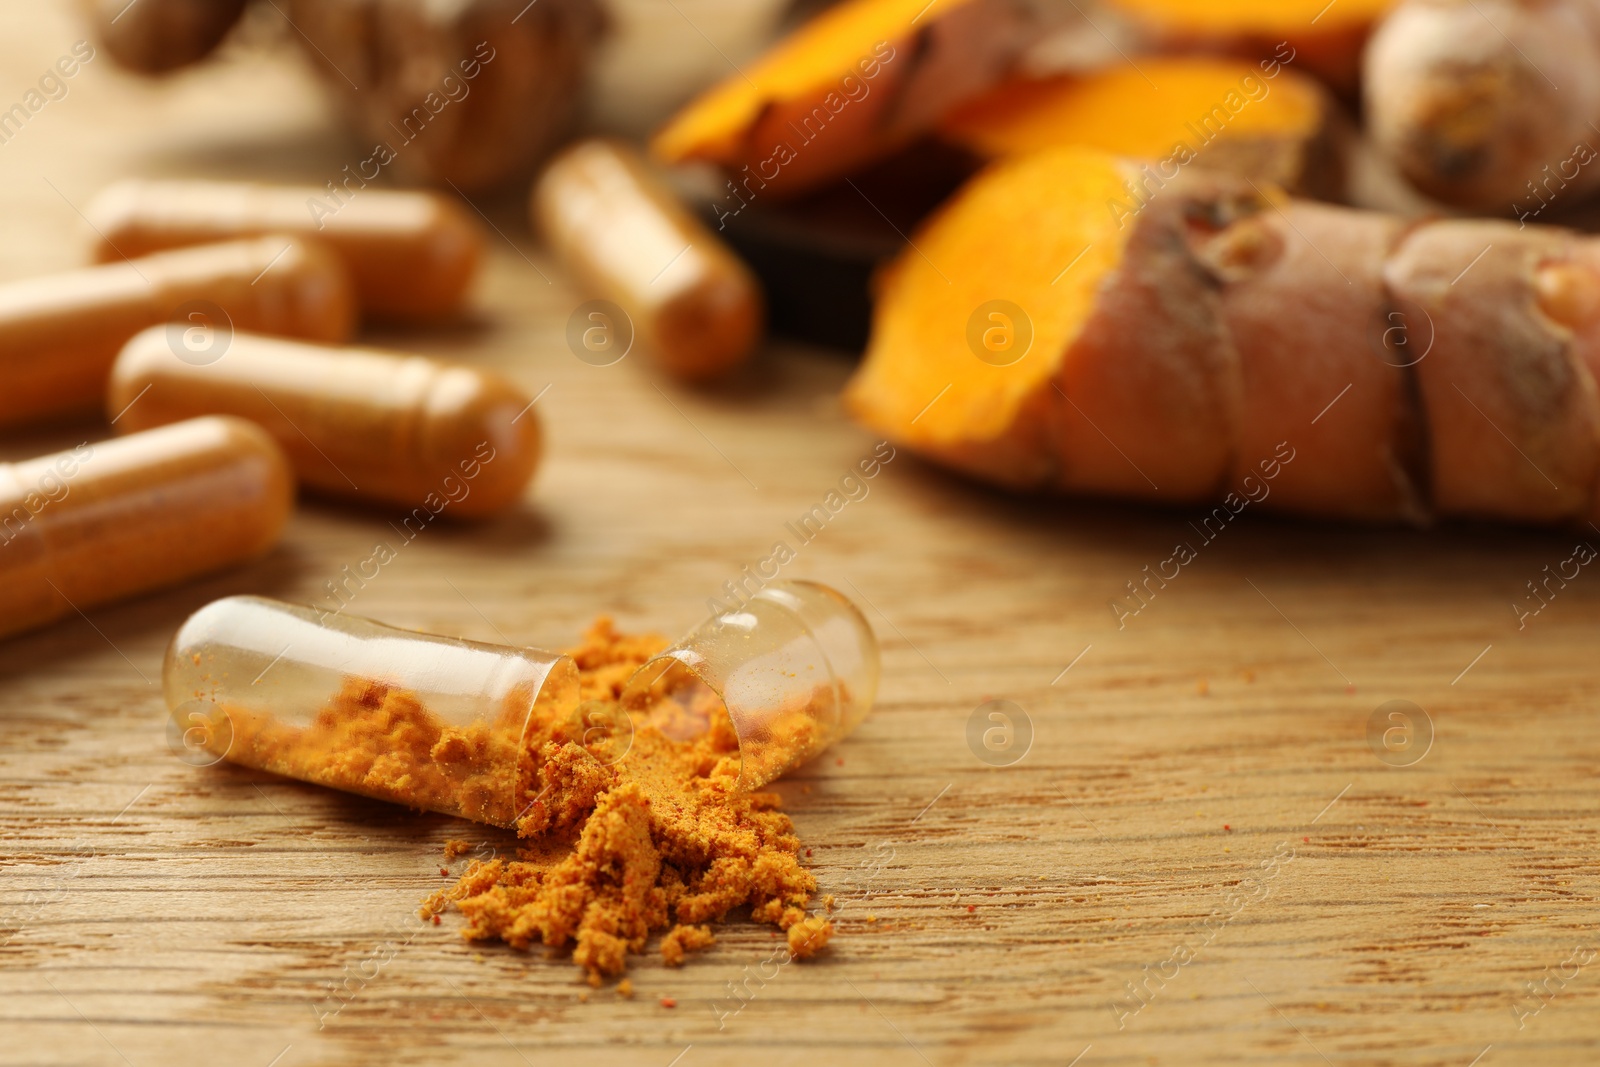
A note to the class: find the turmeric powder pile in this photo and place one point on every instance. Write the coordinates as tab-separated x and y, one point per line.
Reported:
659	839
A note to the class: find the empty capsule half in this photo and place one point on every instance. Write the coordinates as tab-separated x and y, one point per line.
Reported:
376	426
60	333
412	254
794	667
107	520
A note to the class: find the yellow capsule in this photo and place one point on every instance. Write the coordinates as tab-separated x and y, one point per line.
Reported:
693	303
412	255
375	426
59	334
107	520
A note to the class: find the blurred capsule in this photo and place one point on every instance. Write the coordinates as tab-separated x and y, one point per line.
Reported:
412	255
693	303
59	334
374	426
108	520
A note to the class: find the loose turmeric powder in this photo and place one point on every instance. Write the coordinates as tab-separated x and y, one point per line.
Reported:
660	838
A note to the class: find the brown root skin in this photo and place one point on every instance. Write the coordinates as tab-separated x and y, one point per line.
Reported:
795	142
1511	406
160	36
1483	104
458	92
1148	413
1342	403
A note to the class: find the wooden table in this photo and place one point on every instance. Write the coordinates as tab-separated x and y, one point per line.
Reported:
154	913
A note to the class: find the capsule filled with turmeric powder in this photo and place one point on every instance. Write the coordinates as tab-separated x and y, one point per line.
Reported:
692	303
458	726
108	520
413	255
375	426
60	333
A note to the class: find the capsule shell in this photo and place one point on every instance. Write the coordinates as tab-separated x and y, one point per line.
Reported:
431	722
109	520
375	426
412	255
60	334
693	303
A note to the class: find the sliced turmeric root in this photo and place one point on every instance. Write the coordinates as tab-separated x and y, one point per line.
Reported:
1227	114
1322	37
1200	338
1052	388
856	83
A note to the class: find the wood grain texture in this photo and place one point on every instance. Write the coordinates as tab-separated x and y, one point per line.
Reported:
153	913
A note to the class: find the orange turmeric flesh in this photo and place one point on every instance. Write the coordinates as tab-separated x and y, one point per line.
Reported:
1258	17
851	86
1227	114
654	838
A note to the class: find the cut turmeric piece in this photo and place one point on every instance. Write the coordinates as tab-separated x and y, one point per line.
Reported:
1229	114
1257	17
1196	338
854	84
1074	398
1324	37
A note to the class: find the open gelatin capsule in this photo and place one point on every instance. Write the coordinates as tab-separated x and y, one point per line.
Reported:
466	728
795	667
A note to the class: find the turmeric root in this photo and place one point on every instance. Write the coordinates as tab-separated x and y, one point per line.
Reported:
469	92
472	92
1489	104
1260	120
157	36
1185	337
852	86
1324	38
